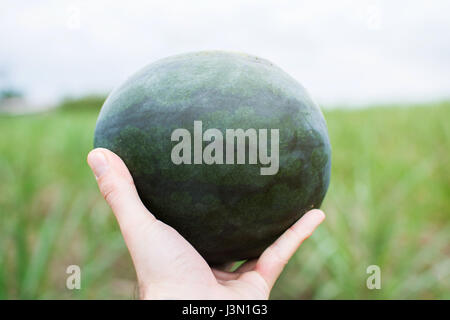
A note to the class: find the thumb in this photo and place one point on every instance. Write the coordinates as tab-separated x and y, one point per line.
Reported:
117	187
141	231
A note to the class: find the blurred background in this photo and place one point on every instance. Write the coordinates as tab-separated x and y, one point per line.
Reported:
380	70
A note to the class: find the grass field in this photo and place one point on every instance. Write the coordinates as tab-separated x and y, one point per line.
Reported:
388	205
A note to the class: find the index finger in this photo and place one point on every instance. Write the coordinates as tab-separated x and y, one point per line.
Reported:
275	257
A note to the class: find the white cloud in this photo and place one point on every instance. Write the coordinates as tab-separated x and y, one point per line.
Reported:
342	51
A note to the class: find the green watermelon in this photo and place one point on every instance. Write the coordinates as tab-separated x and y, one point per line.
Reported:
225	147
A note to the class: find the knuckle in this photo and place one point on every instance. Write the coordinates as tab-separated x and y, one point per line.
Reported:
300	234
109	196
308	234
107	189
291	234
276	254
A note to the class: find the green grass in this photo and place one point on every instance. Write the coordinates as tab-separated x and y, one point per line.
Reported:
388	205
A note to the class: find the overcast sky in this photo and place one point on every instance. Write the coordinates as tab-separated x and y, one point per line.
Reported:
344	52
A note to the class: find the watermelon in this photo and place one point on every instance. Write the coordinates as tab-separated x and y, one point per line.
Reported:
225	147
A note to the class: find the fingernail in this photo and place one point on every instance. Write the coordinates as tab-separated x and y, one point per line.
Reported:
319	213
98	163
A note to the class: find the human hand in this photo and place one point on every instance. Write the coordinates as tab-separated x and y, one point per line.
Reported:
166	264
